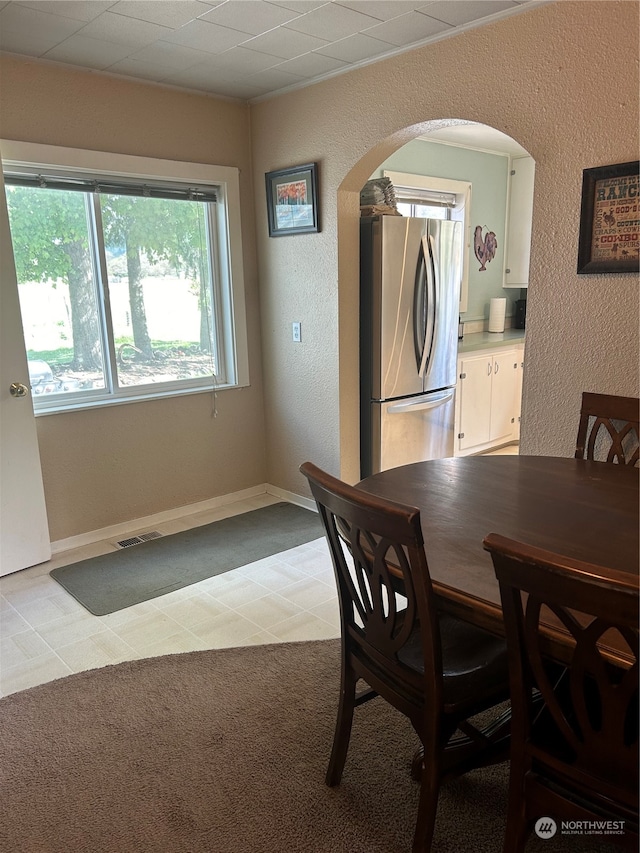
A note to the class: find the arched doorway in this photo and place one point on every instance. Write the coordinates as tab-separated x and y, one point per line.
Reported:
404	147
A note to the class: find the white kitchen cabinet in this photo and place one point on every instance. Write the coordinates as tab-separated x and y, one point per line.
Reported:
518	224
518	406
488	405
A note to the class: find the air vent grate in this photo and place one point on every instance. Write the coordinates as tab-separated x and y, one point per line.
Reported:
137	540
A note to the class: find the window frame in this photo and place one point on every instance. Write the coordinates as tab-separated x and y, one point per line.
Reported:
229	293
462	191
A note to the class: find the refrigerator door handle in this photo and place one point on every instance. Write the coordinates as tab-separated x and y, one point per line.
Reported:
414	405
430	297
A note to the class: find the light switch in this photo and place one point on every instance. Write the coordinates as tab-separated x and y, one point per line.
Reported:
296	333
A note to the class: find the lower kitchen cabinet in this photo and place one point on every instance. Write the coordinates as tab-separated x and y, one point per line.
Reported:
488	404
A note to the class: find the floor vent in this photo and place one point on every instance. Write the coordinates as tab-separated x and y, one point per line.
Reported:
137	540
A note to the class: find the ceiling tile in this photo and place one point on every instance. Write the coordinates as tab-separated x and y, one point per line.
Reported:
80	50
25	43
310	65
228	46
174	56
241	89
250	16
198	76
331	22
145	70
78	10
123	30
464	11
275	79
355	48
207	78
284	43
241	61
201	35
407	29
168	13
383	10
301	6
31	24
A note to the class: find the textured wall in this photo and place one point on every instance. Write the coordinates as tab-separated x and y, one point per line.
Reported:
108	465
545	78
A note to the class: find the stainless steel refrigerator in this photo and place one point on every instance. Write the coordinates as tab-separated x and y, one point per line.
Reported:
410	273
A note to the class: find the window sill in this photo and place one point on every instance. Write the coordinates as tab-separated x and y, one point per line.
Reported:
58	407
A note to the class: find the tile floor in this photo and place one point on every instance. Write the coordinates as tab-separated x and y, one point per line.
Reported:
45	634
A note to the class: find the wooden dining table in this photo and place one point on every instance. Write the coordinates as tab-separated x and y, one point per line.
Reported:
580	509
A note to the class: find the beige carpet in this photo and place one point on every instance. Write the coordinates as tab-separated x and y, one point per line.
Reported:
224	752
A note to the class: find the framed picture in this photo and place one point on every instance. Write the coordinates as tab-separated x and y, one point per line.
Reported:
610	219
292	200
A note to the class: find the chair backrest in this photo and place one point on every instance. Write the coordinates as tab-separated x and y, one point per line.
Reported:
608	429
594	708
384	588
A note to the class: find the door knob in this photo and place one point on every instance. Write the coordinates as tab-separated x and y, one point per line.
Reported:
17	389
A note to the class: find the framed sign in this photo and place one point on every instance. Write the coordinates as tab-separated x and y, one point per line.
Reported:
292	200
610	219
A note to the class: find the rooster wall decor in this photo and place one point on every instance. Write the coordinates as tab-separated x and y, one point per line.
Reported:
485	248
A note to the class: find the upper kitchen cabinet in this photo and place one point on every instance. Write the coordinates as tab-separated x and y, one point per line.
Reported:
518	223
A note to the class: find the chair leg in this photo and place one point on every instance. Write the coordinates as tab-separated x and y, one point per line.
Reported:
427	805
517	830
342	732
516	834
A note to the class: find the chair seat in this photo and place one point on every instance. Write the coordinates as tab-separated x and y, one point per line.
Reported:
474	662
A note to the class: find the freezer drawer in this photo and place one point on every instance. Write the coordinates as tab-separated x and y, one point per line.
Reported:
410	430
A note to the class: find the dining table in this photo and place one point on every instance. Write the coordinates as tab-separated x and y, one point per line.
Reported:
577	508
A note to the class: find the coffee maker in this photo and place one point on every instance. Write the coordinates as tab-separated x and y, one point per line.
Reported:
521	313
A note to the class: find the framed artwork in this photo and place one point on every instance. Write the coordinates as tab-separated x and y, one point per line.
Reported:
292	200
610	219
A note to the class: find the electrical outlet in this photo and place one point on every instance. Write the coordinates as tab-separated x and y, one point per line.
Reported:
296	332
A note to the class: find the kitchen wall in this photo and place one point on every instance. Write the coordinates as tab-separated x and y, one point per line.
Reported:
488	174
544	78
105	466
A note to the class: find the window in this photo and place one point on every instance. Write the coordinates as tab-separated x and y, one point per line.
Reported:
436	198
126	282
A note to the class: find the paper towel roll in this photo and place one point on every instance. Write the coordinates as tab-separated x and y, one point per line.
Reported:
497	310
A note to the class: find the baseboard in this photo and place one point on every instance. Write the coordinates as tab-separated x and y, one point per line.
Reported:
126	528
292	498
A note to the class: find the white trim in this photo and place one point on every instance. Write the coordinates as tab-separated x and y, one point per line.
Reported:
462	190
15	153
126	528
470	146
117	531
292	498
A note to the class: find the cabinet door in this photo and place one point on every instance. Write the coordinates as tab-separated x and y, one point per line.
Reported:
518	246
503	394
475	400
518	406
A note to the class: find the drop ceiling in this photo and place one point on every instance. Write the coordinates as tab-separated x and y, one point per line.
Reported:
241	49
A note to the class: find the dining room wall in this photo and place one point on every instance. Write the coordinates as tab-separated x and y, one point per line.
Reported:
544	77
110	465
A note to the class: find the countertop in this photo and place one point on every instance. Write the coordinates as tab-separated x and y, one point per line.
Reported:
490	340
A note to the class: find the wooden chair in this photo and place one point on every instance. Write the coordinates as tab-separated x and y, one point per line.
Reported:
608	429
577	758
436	670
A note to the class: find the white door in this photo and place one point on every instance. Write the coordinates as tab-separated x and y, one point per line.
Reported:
24	531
